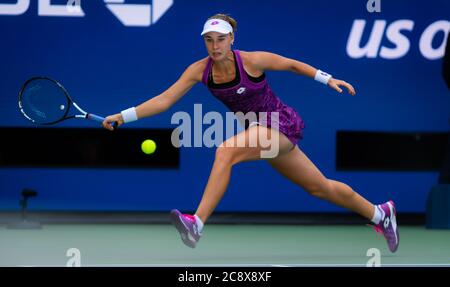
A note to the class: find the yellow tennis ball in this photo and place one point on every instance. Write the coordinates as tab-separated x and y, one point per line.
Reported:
148	146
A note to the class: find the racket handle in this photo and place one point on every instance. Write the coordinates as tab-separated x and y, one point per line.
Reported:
99	119
95	118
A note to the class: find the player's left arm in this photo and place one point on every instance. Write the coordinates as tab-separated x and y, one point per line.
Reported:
270	61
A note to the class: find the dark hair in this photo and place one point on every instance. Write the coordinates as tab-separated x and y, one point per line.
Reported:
227	18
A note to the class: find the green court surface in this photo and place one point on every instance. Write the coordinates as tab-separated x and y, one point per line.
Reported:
221	245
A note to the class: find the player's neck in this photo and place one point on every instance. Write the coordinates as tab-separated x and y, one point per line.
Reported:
225	65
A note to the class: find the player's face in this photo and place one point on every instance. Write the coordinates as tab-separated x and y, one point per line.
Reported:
218	45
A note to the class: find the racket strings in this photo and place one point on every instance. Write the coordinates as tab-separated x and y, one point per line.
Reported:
44	102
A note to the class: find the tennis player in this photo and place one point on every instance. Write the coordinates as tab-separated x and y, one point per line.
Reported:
237	79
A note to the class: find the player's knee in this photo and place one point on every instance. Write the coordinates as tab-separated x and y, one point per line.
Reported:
225	155
319	190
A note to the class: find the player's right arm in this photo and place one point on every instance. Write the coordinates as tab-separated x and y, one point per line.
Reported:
162	102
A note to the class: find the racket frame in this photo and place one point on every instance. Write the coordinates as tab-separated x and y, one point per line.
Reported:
70	103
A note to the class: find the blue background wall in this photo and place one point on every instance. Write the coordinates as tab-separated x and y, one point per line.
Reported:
108	67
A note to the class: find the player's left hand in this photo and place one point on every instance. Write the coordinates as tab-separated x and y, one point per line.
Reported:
336	84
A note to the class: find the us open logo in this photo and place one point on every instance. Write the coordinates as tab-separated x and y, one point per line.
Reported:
397	33
130	15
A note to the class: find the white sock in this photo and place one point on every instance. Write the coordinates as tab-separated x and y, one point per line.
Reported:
378	215
199	223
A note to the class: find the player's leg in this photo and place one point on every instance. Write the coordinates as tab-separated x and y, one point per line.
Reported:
235	150
297	167
245	146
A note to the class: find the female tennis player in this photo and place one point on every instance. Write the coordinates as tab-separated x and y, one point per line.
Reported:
237	79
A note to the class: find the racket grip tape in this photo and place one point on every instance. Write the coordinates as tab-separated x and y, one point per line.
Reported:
99	119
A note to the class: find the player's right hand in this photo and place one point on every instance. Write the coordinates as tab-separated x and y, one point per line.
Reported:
110	120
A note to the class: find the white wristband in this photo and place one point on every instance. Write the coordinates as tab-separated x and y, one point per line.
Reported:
129	115
322	77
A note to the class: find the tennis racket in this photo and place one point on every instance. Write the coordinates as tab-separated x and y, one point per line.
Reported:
44	101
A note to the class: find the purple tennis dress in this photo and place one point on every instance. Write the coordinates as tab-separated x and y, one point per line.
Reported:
249	94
